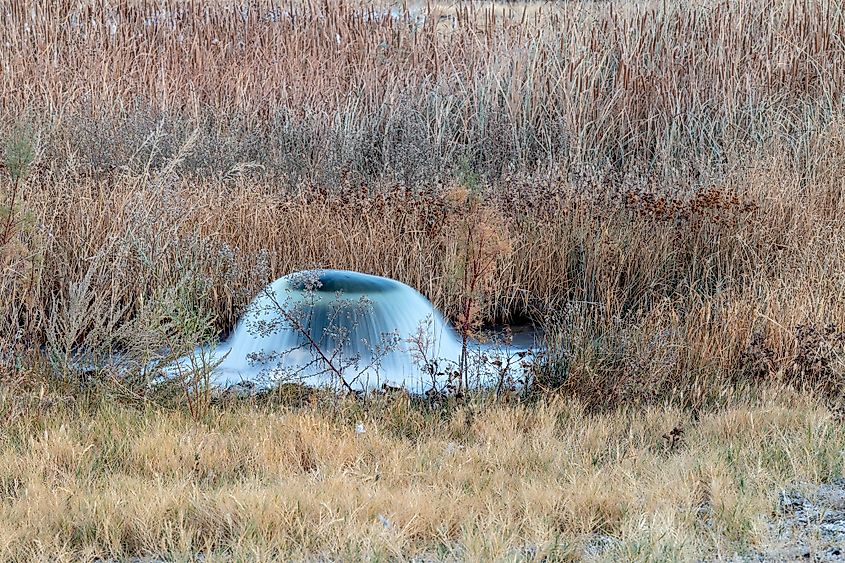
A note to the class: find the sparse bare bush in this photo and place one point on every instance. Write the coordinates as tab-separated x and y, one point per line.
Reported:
328	347
820	358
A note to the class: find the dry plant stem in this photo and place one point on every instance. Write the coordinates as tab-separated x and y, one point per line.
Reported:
464	323
10	219
315	347
197	396
480	251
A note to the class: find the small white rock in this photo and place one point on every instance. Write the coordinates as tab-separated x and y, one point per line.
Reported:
385	521
452	448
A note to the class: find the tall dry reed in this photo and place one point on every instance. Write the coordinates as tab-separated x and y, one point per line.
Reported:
671	89
666	175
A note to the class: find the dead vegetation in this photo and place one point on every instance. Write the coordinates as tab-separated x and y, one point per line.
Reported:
640	300
657	184
683	92
478	481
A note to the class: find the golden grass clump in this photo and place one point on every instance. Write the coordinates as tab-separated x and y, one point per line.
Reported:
510	482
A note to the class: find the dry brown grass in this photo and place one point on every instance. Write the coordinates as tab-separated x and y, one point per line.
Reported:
645	293
310	91
478	482
661	185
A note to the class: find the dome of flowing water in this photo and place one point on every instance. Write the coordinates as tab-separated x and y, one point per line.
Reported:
350	331
338	327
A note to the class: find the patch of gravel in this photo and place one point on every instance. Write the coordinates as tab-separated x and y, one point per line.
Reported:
809	525
599	546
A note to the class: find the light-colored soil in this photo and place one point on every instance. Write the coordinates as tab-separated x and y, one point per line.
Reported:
810	525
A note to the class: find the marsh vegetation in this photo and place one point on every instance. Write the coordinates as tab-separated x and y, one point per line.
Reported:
656	185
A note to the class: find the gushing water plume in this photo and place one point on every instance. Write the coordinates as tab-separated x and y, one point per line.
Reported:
353	332
336	327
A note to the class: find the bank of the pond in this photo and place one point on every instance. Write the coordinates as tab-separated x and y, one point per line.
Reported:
346	479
